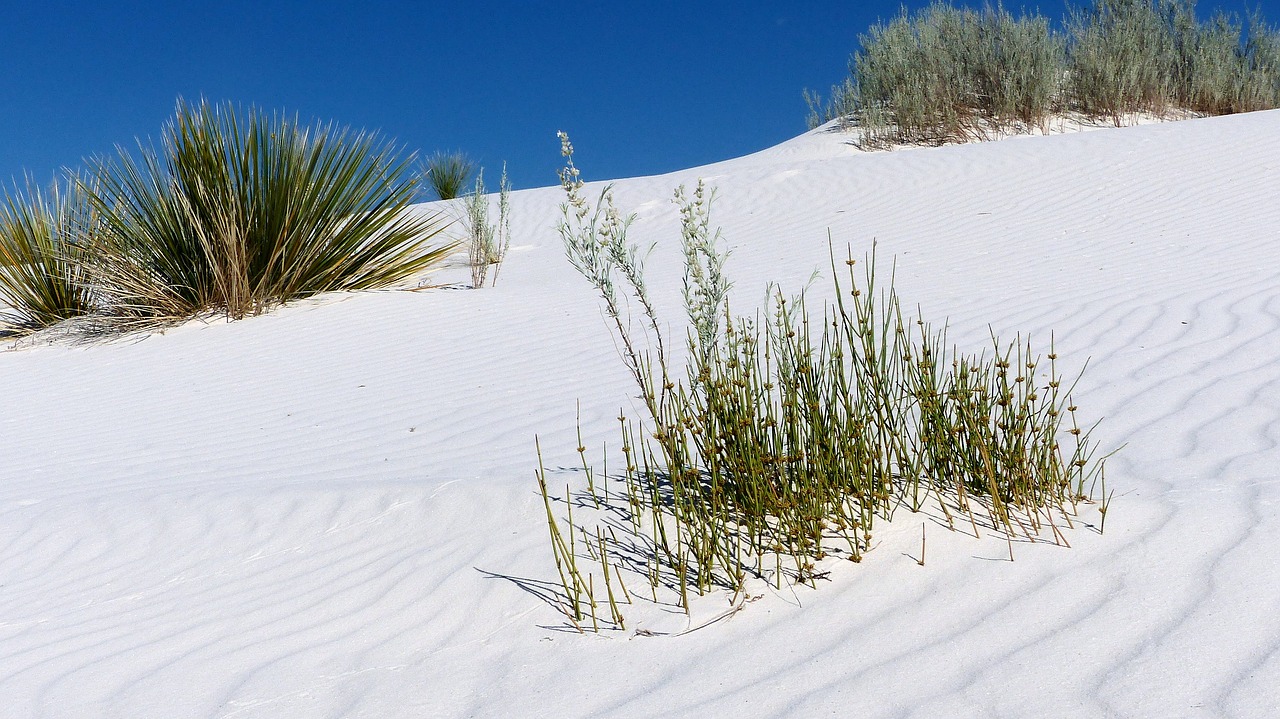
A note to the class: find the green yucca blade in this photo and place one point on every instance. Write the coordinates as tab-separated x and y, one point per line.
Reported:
43	258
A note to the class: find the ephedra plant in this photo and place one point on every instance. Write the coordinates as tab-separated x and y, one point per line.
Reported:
784	438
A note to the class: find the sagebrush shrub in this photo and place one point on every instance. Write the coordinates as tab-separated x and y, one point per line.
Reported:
945	74
487	244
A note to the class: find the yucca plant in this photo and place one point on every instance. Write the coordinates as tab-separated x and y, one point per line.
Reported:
236	211
448	173
43	253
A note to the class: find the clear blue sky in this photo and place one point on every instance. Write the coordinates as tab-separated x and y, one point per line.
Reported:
643	87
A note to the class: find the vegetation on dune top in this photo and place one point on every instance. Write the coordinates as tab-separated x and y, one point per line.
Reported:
236	211
949	74
233	211
448	173
43	265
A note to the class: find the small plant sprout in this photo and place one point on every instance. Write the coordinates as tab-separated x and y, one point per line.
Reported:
789	433
487	244
921	562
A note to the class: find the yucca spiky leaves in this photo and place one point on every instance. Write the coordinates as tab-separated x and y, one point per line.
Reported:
239	210
448	173
42	257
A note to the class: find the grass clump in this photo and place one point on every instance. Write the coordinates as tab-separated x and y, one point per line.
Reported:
487	244
237	211
448	172
947	74
782	442
43	257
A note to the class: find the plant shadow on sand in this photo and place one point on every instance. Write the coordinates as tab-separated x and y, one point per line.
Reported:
787	435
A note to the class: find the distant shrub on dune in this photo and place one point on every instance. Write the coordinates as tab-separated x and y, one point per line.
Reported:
1260	88
1123	57
448	173
946	74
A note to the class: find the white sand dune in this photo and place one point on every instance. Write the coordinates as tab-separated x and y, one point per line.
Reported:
300	515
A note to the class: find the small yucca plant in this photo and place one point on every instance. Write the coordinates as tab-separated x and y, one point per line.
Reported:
236	211
448	173
43	251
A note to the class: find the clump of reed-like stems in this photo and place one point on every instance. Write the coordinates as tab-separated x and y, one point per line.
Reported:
487	244
948	74
784	441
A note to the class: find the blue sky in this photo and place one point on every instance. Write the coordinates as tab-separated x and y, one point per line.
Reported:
642	88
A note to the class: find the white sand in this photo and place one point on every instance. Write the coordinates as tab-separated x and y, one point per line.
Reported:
287	516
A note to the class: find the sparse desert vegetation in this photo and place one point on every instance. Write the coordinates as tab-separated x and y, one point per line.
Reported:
44	263
952	74
784	439
487	243
233	211
806	432
447	173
